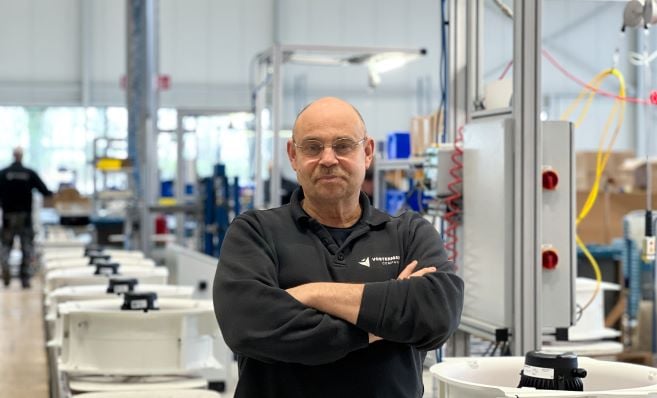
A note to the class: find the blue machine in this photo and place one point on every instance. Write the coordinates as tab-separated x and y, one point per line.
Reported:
216	209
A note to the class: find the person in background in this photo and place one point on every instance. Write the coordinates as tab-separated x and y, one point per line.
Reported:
327	296
16	185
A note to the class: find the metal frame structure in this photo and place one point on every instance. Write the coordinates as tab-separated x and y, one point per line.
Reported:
269	72
464	66
180	209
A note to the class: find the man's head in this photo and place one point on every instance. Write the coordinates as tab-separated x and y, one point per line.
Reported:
330	150
18	154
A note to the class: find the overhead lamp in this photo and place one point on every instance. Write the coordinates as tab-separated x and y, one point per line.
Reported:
387	61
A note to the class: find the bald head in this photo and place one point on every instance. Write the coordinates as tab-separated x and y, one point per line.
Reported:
327	109
18	154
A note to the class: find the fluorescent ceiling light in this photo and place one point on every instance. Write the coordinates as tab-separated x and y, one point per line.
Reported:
385	62
376	62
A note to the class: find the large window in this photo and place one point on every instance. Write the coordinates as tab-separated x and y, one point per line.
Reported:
58	142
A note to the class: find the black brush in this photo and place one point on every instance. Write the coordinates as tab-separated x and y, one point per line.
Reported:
546	371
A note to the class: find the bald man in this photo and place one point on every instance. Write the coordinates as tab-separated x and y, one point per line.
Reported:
327	296
16	185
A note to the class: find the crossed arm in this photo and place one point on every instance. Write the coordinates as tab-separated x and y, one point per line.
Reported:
343	300
317	323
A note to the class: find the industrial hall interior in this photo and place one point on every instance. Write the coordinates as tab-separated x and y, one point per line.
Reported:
347	198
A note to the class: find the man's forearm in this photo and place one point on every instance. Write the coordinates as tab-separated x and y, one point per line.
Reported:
341	300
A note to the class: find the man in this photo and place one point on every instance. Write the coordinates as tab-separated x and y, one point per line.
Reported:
326	296
16	185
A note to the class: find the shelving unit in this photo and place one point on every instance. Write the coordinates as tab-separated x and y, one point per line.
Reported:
112	170
382	166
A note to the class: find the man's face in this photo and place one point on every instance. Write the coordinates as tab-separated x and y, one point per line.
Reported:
333	174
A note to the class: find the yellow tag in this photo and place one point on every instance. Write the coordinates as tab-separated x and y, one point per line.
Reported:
109	164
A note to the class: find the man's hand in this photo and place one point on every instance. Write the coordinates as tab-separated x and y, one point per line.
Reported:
408	271
373	338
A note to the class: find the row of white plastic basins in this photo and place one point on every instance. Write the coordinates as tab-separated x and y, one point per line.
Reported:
90	335
498	377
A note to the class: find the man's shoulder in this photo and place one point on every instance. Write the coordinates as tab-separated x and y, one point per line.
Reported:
18	167
267	217
408	218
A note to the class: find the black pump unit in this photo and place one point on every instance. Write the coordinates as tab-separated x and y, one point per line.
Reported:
94	257
107	268
92	248
548	371
142	301
121	285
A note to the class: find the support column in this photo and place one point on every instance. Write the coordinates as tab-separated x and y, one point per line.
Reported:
527	164
142	104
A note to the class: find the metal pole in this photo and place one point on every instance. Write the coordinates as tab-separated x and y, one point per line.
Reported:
458	96
528	158
180	180
459	101
277	100
258	194
142	113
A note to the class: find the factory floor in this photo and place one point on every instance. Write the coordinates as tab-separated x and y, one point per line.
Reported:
23	365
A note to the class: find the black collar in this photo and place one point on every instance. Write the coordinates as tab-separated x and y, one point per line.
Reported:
370	216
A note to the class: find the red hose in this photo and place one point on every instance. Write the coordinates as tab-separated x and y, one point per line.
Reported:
453	209
582	83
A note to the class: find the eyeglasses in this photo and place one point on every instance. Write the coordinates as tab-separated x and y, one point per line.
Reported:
341	146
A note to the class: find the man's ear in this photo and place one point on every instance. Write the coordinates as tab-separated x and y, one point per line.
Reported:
292	154
369	151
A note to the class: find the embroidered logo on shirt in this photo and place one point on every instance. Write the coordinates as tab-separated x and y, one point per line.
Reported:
383	260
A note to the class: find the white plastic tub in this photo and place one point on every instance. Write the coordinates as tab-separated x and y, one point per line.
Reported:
497	377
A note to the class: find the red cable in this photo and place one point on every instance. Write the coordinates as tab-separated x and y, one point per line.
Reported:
582	83
453	209
506	70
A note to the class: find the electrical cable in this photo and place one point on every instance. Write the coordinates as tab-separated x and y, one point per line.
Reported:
453	207
442	109
647	83
497	344
596	269
572	77
565	72
601	159
492	343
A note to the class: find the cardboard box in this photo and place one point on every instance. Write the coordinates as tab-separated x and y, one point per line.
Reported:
425	131
636	168
605	220
69	203
616	177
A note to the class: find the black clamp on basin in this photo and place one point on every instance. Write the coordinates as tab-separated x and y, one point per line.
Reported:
121	285
142	301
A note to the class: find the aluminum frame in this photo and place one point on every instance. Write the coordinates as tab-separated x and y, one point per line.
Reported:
464	69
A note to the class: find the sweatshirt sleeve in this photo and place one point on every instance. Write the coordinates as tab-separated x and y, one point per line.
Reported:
260	320
39	185
421	311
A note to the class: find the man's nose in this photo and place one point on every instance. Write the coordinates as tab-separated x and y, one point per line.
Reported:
327	157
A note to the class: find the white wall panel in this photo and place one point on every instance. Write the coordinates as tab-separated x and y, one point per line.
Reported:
39	40
209	41
108	38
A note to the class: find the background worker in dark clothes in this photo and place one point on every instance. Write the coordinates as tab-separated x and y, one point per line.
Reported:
327	296
16	185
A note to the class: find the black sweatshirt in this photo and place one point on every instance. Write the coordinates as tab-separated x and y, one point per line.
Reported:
288	350
16	185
